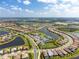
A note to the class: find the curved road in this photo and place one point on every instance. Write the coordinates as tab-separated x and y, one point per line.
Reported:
66	37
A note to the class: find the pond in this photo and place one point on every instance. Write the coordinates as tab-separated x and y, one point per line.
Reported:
16	42
48	33
4	31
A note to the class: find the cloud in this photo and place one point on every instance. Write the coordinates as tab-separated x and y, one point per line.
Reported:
19	1
48	1
26	2
66	12
62	10
12	7
15	11
48	6
71	1
72	11
58	1
29	11
52	8
5	12
65	8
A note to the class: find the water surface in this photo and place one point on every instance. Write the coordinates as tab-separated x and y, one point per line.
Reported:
48	33
16	42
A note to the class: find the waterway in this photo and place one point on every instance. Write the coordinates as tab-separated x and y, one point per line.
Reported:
4	31
16	42
48	33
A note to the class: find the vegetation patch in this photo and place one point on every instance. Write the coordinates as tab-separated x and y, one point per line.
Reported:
50	44
68	29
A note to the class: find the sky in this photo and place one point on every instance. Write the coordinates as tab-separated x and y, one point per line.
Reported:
39	8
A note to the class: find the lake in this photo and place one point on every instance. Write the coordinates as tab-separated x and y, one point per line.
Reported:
48	33
16	42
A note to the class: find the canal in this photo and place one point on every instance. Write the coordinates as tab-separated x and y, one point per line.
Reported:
16	42
48	33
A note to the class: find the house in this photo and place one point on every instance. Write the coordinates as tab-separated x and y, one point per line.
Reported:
25	56
17	57
50	53
45	54
14	49
67	50
64	52
1	52
54	52
59	52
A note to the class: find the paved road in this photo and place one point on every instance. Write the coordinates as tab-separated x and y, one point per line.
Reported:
34	45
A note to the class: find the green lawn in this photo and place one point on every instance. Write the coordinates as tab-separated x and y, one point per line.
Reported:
50	44
26	40
31	55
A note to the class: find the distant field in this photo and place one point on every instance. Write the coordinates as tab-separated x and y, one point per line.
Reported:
68	29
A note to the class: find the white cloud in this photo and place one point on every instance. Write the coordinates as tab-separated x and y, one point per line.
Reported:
12	7
65	8
48	1
47	7
72	11
62	10
73	2
1	8
68	12
5	12
15	12
19	1
29	11
26	2
55	1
